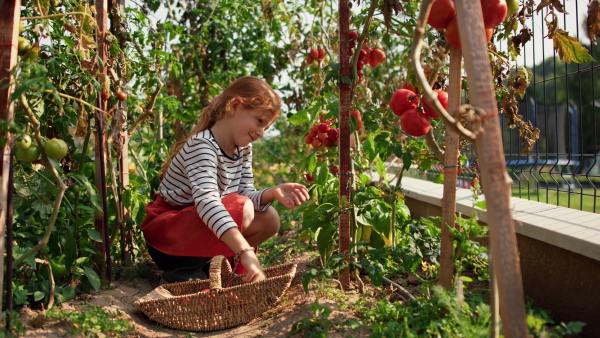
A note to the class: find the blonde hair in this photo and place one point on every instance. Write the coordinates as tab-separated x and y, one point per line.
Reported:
252	92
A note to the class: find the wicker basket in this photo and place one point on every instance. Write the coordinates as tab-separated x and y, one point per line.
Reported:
185	306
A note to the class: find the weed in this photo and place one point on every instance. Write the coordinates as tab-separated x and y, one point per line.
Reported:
93	323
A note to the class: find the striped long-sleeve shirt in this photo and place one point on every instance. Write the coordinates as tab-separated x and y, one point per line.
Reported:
201	174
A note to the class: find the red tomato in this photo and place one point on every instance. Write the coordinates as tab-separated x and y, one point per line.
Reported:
322	53
358	118
411	87
327	142
442	11
367	50
494	12
415	123
122	96
373	63
323	127
403	100
442	97
333	134
453	36
309	178
316	143
378	55
314	54
309	139
353	35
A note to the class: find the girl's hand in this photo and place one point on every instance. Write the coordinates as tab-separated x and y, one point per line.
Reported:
254	272
290	194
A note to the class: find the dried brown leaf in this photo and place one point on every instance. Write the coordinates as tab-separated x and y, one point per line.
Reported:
388	7
593	20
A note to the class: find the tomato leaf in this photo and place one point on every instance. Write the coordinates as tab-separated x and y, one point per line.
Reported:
94	235
92	276
570	49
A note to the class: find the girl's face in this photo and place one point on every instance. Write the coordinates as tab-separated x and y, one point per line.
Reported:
249	125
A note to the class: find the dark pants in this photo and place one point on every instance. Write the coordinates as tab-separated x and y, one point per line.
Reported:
180	268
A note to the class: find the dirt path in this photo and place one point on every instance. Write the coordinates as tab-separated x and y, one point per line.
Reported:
276	322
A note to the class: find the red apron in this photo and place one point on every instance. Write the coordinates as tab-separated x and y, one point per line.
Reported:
179	230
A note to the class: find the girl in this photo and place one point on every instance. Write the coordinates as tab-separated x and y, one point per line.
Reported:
206	203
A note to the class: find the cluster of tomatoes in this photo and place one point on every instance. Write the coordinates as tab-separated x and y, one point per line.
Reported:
415	121
367	56
29	152
322	135
443	16
315	57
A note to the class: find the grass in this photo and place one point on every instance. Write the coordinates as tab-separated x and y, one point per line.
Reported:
580	199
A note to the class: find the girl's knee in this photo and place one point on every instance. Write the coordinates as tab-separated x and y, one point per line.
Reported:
248	217
272	222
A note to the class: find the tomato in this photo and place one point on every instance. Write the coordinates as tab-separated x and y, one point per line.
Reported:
104	95
335	169
309	178
316	143
373	63
513	7
323	127
23	45
322	136
453	36
122	96
56	148
356	115
309	139
333	134
314	64
411	87
442	97
442	11
378	55
132	168
353	35
28	155
314	54
322	53
23	141
327	142
415	123
494	12
403	100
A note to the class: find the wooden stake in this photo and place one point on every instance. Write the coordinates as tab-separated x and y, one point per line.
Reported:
10	11
450	173
344	121
496	184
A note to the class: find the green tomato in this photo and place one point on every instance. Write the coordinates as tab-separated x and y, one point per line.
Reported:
28	155
513	7
56	148
23	142
24	45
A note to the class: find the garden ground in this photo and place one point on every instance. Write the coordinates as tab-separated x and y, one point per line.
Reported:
142	278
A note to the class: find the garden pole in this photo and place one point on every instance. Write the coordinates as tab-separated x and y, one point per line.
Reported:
101	221
117	26
450	173
10	11
496	183
344	121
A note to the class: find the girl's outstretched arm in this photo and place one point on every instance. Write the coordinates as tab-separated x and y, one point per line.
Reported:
290	195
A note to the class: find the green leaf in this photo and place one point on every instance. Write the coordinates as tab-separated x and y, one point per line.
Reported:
439	178
94	235
381	171
369	148
38	295
70	250
322	174
299	118
570	49
78	176
481	204
62	295
92	276
466	279
312	163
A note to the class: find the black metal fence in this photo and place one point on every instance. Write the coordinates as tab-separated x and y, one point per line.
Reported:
563	101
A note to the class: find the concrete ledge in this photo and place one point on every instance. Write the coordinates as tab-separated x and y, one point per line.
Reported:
573	230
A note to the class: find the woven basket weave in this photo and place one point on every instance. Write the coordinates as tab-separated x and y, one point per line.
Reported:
185	306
